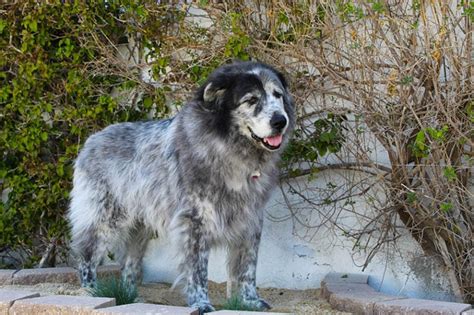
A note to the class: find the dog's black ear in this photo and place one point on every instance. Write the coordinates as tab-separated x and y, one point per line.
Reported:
212	92
282	79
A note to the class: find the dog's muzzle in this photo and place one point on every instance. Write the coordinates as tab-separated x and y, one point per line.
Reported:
272	143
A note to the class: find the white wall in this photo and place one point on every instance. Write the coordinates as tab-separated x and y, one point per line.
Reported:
286	261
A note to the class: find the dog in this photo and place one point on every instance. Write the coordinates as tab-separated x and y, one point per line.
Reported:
203	175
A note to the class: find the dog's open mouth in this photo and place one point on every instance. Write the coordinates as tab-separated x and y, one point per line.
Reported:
271	143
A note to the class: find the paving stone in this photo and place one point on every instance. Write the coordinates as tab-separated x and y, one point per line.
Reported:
6	276
60	305
327	289
419	307
7	297
109	270
339	277
359	302
42	275
57	274
145	308
226	312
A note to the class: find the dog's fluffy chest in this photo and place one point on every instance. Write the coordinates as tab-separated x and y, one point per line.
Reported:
235	210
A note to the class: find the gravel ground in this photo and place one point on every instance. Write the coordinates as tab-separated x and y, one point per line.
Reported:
300	302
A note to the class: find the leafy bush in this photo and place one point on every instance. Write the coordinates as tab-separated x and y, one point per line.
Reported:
59	67
112	287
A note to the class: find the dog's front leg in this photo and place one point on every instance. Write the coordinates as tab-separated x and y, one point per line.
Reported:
242	269
195	248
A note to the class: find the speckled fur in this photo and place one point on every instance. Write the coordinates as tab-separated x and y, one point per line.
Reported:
190	176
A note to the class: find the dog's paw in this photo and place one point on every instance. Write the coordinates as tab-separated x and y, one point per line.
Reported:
258	304
203	307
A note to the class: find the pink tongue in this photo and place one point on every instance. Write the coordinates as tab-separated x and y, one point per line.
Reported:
273	141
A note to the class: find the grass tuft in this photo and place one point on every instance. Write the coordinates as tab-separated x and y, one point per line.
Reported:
235	303
112	287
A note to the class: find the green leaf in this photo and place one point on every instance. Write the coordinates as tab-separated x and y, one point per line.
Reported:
407	80
450	173
411	197
446	207
147	102
420	148
33	25
44	136
60	170
470	111
3	25
378	7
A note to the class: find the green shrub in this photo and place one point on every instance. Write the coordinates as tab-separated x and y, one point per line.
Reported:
112	287
58	68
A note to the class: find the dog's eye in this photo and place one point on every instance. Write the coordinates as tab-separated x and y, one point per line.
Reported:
277	94
253	100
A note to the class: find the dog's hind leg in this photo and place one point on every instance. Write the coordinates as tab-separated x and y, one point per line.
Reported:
90	248
242	267
135	247
195	248
92	230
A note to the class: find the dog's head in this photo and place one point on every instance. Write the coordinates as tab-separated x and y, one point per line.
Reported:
253	99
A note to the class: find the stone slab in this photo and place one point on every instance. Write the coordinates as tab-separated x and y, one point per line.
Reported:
419	307
359	302
227	312
327	289
58	274
340	277
6	276
109	270
60	305
42	275
8	297
145	308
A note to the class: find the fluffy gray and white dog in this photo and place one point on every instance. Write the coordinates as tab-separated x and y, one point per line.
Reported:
203	176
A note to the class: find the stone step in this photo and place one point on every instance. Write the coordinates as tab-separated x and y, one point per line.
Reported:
144	308
359	303
341	277
43	275
8	297
56	274
419	306
6	276
227	312
351	293
60	304
327	289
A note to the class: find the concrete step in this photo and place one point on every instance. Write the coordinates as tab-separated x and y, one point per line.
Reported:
226	312
351	293
54	275
144	308
8	297
419	306
59	304
6	276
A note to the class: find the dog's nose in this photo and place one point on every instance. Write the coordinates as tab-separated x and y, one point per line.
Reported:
278	121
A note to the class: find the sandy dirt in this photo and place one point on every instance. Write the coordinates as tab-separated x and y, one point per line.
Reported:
300	302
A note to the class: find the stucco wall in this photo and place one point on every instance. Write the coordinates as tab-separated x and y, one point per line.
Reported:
287	261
